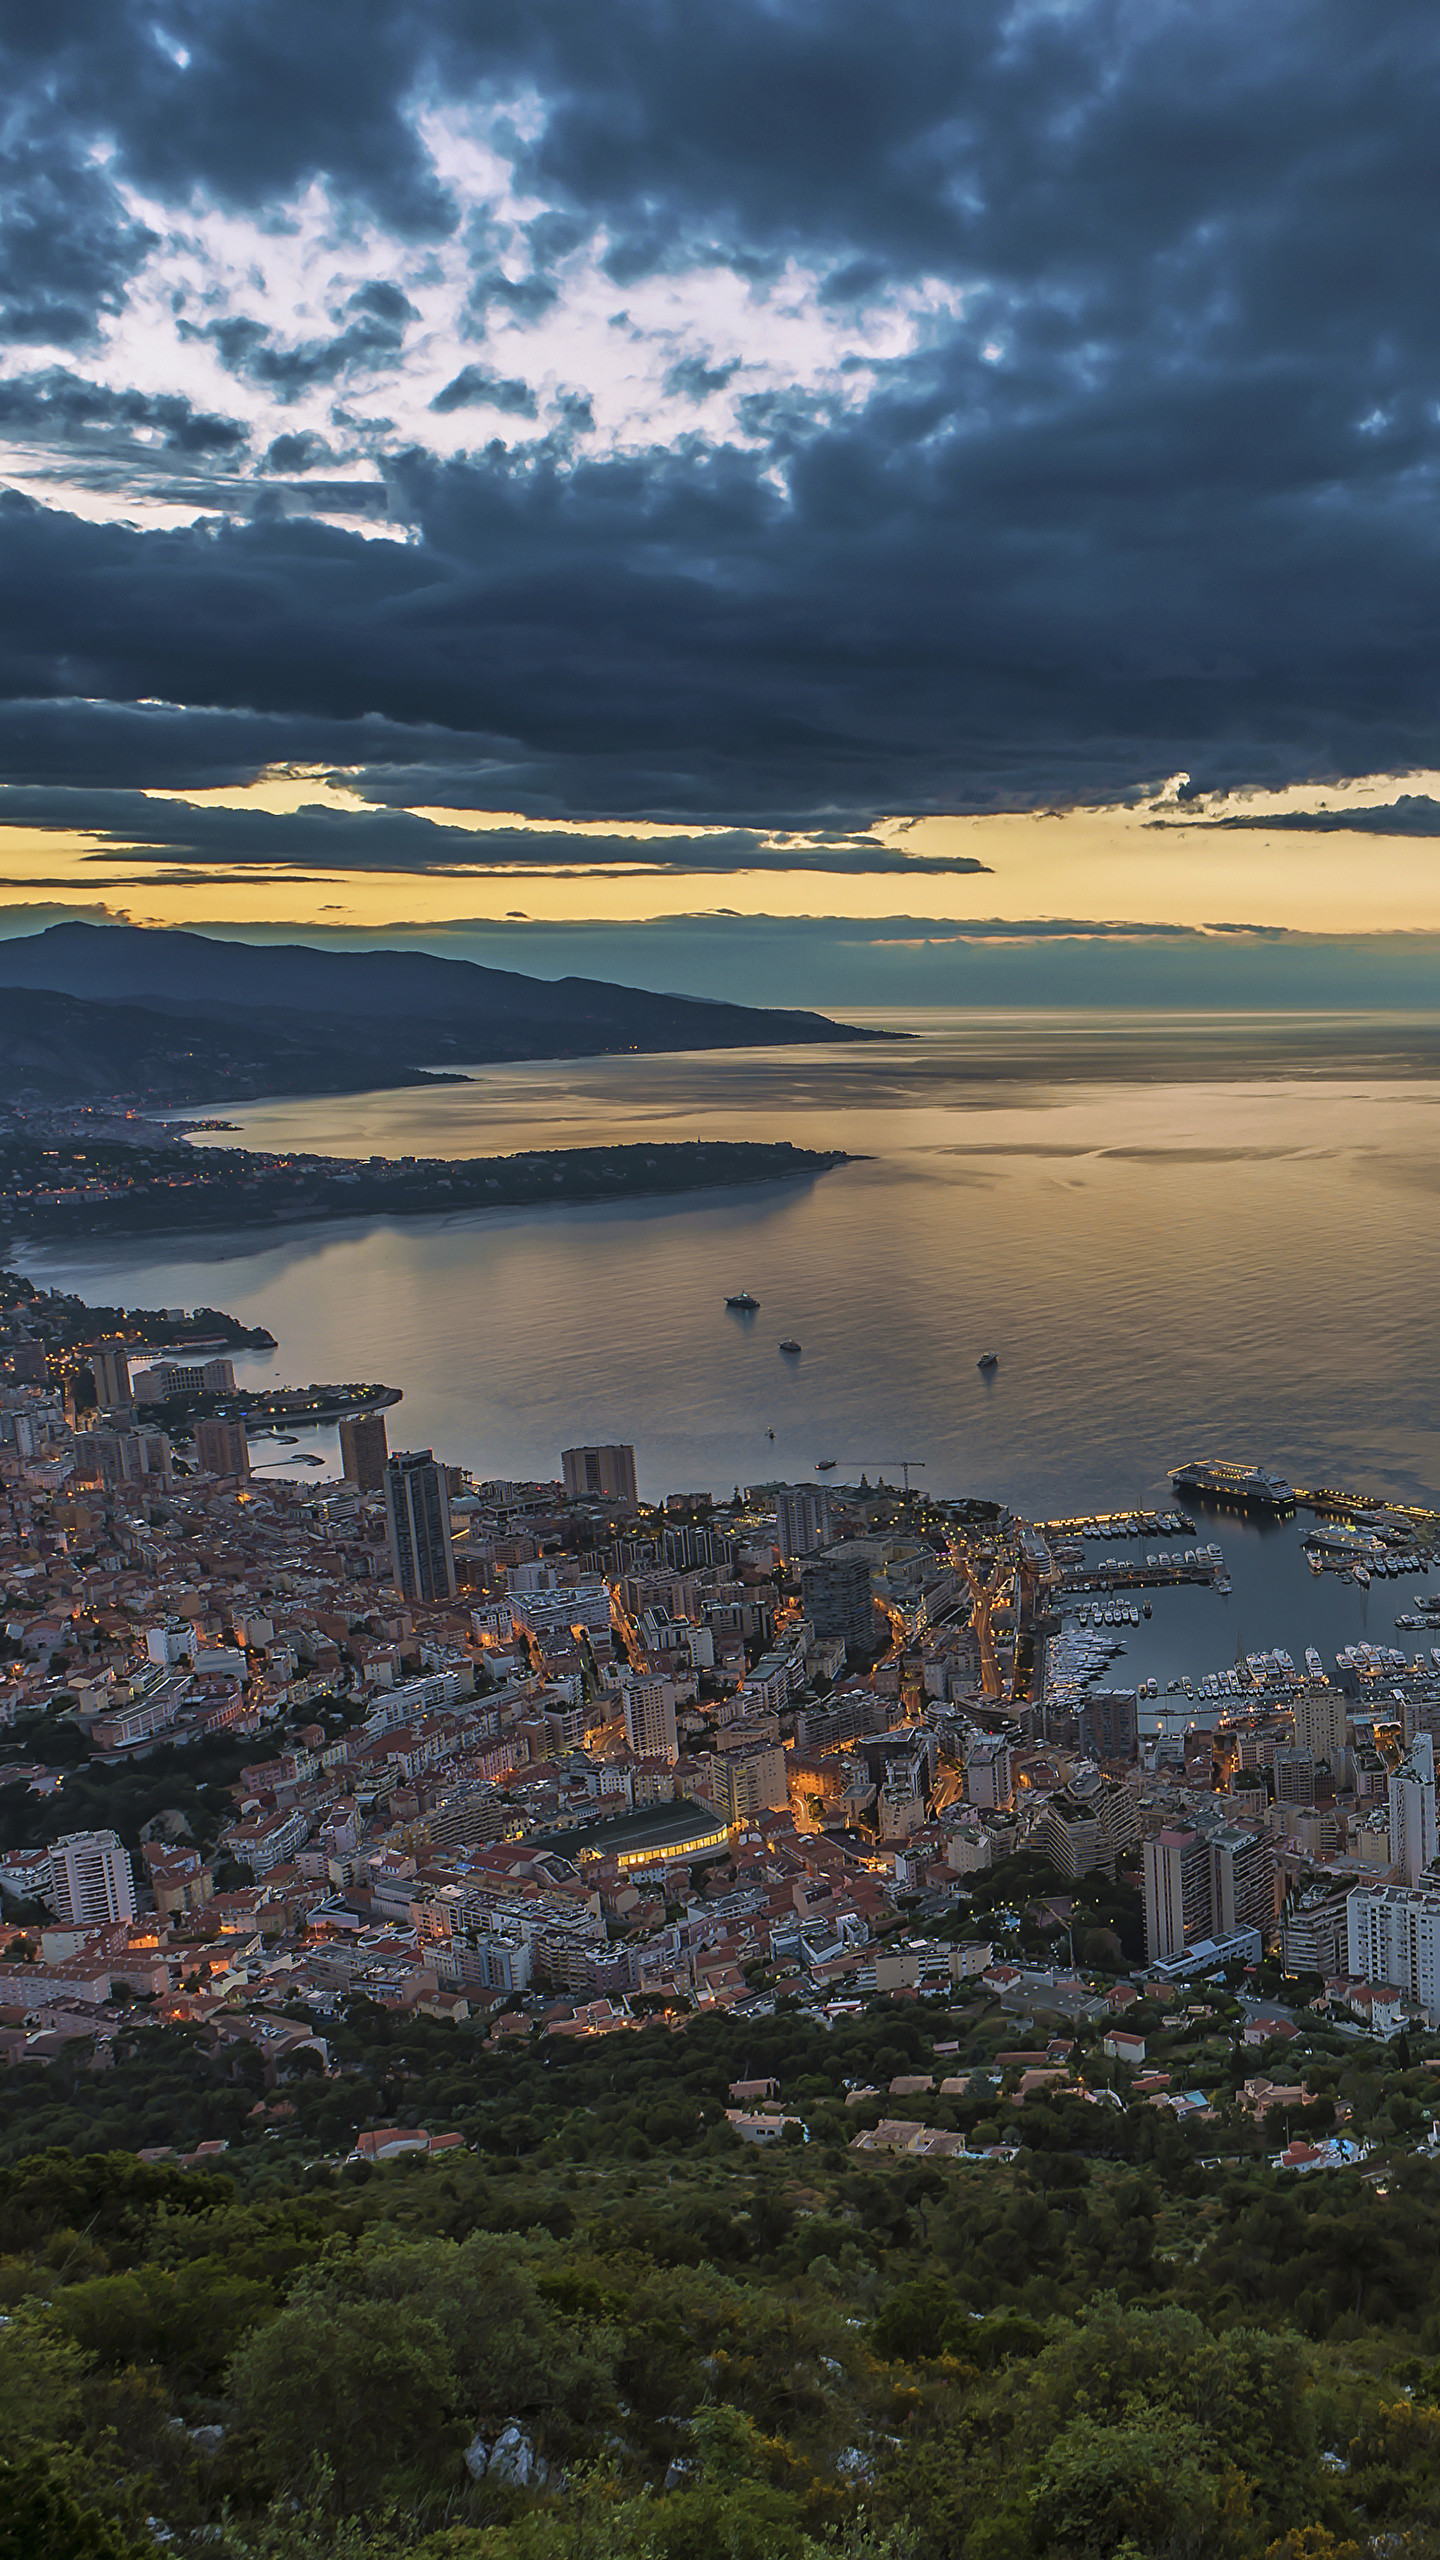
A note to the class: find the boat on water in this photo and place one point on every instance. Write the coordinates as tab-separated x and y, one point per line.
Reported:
1228	1480
826	1466
988	1360
743	1300
790	1344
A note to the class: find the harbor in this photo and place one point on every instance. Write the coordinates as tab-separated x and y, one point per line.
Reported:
1231	1623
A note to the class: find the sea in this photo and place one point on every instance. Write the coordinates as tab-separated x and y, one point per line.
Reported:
1209	1235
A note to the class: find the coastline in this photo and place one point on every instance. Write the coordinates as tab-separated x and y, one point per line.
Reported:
100	1193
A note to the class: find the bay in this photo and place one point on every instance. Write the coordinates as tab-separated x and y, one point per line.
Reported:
1180	1236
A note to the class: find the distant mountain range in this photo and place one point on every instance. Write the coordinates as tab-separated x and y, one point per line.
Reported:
173	1019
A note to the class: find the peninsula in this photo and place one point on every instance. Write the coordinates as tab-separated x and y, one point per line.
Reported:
100	1187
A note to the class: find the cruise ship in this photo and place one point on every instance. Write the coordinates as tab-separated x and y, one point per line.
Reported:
1224	1480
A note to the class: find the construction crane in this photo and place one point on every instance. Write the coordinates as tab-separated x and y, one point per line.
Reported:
904	1464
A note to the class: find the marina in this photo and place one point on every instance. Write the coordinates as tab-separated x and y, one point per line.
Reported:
1232	1628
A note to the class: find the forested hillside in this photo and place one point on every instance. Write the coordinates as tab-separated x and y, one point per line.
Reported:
604	2326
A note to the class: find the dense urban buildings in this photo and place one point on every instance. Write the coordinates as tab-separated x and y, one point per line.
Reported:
485	1741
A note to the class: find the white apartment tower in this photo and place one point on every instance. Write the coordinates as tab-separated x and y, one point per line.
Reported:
91	1879
802	1520
1413	1838
1393	1938
650	1727
989	1781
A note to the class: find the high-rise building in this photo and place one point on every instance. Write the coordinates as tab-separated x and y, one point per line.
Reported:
1295	1774
1313	1936
601	1475
417	1509
1413	1840
1320	1726
835	1587
91	1879
1242	1883
650	1727
1213	1884
123	1457
1177	1892
745	1784
1393	1938
802	1520
1088	1826
110	1369
222	1448
989	1781
1108	1727
364	1450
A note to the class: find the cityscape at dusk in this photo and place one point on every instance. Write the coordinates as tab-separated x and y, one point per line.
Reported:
719	1432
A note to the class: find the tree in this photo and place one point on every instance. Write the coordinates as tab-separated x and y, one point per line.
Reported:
40	2520
365	2387
41	2372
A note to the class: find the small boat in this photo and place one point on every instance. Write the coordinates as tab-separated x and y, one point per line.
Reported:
769	1435
790	1344
826	1466
743	1300
988	1360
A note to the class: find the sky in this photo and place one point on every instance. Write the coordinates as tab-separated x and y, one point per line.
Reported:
907	502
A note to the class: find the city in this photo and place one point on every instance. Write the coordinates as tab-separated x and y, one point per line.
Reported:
719	744
539	1760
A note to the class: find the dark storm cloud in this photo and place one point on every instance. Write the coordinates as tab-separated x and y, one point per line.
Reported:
1413	814
318	838
302	452
476	387
68	247
56	405
694	379
1157	491
374	335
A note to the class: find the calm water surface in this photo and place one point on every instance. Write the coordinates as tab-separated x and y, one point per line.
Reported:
1178	1237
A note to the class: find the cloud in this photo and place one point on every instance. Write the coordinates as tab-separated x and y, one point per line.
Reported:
477	387
1413	814
316	838
60	405
373	338
694	379
1076	422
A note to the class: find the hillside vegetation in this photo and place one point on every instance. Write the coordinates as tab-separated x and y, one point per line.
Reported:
609	2328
